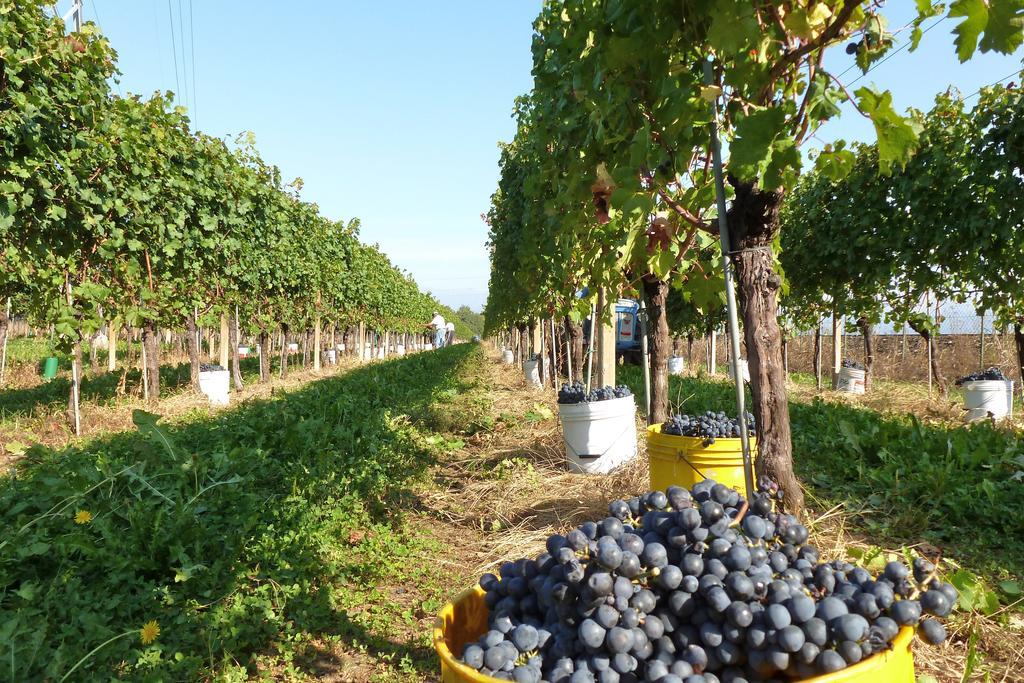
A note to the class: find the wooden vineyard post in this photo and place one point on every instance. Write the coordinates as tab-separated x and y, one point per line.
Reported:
713	353
316	345
224	358
605	328
5	328
837	348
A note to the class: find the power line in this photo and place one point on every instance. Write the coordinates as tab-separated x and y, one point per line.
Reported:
174	47
192	44
99	22
1004	78
184	60
889	56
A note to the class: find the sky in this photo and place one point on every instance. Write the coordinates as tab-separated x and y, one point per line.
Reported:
392	112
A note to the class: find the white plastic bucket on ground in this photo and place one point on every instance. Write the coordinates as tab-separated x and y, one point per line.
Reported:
531	373
215	384
507	357
332	356
341	347
400	349
851	380
243	351
988	397
599	436
293	347
744	370
676	365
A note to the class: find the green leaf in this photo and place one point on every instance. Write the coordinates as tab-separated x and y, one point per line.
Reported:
835	163
1004	30
751	149
1011	588
784	165
975	14
733	26
897	135
147	424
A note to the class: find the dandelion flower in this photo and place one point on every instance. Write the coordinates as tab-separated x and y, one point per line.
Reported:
149	631
83	517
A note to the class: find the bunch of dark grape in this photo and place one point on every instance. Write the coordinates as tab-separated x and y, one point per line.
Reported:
572	393
695	586
210	367
576	393
852	364
990	374
709	426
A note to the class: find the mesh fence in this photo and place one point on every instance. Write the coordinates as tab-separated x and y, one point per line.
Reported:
967	342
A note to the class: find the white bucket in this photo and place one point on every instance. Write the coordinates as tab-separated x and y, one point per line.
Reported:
400	349
531	373
676	365
243	351
332	356
744	370
293	347
507	357
215	384
851	380
341	347
599	436
986	397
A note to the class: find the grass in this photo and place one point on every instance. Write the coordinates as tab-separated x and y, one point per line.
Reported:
254	549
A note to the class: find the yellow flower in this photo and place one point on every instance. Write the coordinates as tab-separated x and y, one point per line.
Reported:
150	630
83	517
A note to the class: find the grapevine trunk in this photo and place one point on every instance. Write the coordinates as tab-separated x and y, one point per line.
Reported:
236	370
656	292
151	340
193	351
264	356
867	330
575	332
284	350
753	226
929	340
817	356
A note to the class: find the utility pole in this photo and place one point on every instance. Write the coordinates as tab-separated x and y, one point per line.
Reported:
76	12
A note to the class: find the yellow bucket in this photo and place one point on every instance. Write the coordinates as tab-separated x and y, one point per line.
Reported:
685	460
465	620
462	621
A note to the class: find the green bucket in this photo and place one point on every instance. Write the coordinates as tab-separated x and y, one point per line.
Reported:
49	367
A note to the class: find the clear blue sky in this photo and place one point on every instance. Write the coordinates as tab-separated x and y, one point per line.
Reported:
392	111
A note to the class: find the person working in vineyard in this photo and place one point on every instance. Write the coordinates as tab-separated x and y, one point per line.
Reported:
437	324
449	336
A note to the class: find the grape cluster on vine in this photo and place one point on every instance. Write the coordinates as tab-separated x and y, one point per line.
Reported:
709	426
852	364
987	375
577	393
695	586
